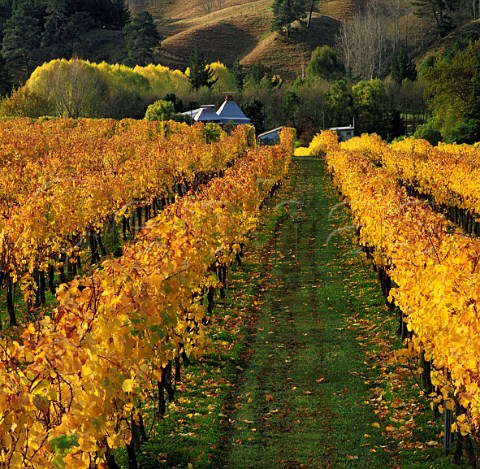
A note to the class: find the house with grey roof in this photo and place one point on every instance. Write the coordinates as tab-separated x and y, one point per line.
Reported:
206	113
228	113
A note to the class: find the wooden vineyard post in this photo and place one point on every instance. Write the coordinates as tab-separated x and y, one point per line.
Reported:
447	429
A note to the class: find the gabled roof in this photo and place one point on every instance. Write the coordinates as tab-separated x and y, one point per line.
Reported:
193	113
229	111
207	114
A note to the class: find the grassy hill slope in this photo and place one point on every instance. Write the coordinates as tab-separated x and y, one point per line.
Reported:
224	35
241	30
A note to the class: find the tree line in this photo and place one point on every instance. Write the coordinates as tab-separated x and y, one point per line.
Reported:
405	102
324	98
368	78
34	31
372	73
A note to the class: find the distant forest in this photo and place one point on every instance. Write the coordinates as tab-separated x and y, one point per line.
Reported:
374	75
33	31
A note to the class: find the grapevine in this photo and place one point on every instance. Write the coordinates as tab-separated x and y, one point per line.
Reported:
66	182
434	267
75	383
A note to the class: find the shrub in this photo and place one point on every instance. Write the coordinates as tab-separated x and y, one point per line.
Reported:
160	111
428	133
24	103
464	132
212	132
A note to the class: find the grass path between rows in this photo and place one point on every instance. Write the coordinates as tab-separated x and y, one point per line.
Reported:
300	371
301	403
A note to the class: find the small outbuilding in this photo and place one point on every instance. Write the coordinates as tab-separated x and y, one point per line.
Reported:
345	133
271	137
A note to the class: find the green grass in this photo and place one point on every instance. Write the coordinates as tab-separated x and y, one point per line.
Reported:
302	403
193	428
301	371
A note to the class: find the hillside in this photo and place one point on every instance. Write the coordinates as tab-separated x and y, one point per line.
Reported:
223	35
227	30
230	30
241	30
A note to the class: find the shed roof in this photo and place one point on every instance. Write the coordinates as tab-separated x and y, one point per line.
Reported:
348	127
275	131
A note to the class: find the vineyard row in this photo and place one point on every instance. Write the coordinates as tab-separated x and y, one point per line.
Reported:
435	274
446	176
66	185
76	385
